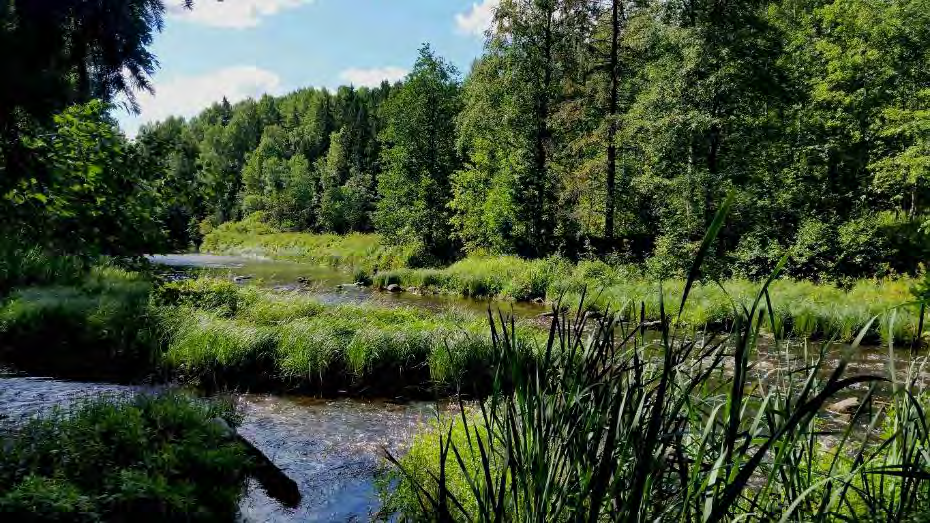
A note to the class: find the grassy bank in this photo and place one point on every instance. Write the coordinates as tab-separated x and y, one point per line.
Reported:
363	252
99	327
157	458
117	325
670	430
801	309
220	334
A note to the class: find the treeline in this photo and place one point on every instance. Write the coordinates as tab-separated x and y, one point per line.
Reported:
601	128
608	128
308	160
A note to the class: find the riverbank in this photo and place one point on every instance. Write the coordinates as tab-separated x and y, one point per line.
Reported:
219	334
365	253
800	309
674	430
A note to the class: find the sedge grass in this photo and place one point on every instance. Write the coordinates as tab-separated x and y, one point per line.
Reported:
609	425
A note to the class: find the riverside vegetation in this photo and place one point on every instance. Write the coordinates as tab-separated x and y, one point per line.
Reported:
139	458
613	427
117	324
589	137
609	426
801	308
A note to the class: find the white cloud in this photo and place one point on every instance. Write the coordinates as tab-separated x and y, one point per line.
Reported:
235	14
477	20
372	77
188	95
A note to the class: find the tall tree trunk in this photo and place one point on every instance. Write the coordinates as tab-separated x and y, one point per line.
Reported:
609	209
542	136
713	168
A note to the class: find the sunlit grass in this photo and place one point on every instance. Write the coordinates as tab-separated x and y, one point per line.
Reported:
608	424
294	339
354	251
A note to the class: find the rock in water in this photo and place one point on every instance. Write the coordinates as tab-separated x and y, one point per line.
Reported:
275	482
241	279
847	406
394	288
224	427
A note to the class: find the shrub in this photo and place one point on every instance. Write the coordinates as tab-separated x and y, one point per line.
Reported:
141	458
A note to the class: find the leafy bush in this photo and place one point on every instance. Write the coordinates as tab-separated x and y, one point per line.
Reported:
141	458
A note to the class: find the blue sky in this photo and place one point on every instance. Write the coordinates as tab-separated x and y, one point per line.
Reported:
242	48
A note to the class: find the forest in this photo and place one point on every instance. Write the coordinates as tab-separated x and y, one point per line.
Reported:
599	129
642	260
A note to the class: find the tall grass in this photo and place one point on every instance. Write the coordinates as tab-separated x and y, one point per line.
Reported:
142	458
802	309
218	333
609	426
22	266
99	328
250	237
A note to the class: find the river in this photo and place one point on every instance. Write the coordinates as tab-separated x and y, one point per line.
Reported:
333	448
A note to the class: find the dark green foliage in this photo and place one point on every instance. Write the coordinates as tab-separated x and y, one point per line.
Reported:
141	458
98	327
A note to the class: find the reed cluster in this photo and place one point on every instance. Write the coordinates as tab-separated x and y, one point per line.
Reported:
609	424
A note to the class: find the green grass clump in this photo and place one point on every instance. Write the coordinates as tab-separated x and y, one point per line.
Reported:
144	458
801	309
289	338
100	328
505	277
353	251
